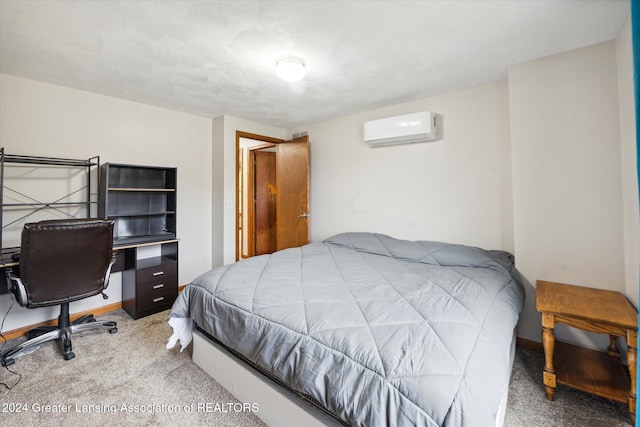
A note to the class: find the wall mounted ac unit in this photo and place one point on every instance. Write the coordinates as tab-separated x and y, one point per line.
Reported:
406	129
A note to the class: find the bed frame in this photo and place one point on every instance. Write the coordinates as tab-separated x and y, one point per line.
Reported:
278	405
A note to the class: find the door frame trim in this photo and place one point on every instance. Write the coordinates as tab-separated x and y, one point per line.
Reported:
255	137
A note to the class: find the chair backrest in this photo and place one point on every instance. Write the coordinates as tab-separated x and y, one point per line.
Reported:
65	260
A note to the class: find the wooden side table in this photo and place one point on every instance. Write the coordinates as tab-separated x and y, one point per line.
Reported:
593	310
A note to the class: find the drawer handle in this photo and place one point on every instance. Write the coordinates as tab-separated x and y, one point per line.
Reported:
158	299
161	285
158	273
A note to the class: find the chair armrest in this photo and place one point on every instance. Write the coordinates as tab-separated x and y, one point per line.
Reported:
15	286
114	257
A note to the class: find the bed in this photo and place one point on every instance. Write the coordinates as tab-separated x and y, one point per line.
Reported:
373	329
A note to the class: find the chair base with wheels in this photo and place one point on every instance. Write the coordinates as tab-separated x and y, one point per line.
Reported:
61	332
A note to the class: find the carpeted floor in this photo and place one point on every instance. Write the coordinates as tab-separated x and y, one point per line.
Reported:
130	379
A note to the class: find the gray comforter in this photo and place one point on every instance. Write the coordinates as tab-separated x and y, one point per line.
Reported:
380	331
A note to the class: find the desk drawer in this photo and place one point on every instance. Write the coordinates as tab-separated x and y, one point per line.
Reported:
157	299
157	286
158	273
149	284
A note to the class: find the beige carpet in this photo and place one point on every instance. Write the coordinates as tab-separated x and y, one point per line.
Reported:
129	378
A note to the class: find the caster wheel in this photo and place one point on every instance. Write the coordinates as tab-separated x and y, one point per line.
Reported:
113	330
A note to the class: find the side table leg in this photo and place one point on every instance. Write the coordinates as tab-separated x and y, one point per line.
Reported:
548	342
612	350
632	353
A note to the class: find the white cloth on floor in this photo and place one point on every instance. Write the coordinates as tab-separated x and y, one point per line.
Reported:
182	331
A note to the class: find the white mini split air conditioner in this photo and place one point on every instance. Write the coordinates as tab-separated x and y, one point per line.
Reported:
406	129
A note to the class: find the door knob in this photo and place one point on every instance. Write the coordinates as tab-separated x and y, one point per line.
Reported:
304	215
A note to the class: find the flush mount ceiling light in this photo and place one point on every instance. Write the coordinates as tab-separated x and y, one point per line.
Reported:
290	68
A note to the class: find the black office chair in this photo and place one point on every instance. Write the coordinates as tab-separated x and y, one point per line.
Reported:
61	261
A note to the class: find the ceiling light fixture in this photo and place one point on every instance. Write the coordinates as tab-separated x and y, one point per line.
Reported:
290	68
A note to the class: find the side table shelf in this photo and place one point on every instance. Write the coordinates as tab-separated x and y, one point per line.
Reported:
591	371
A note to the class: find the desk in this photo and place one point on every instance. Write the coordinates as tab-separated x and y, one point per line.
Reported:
148	285
593	310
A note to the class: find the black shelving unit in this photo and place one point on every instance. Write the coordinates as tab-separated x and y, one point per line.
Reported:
56	206
141	200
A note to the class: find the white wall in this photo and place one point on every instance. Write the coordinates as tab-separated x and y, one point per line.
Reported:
217	193
48	120
567	193
456	189
624	56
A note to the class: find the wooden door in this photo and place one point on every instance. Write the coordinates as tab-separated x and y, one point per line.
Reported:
292	183
265	202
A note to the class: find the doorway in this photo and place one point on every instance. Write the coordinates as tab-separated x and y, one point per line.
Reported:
272	197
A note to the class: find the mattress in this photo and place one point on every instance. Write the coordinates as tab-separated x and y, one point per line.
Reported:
377	330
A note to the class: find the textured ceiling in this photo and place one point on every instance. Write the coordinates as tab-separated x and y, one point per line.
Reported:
217	57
